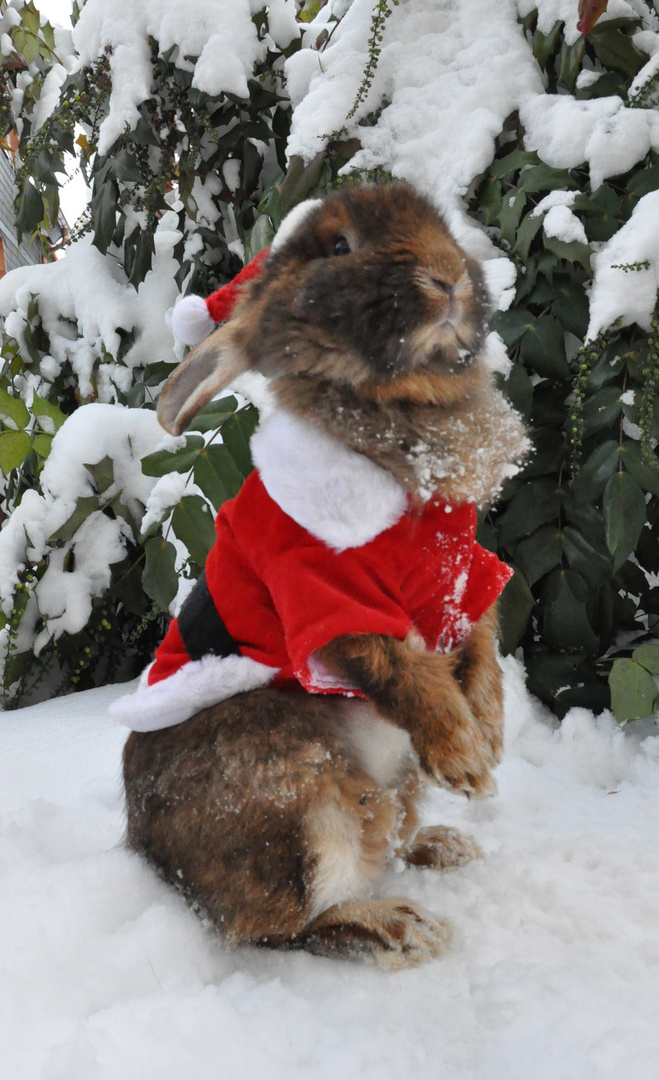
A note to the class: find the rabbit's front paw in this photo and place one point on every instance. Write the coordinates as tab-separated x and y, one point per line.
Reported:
456	756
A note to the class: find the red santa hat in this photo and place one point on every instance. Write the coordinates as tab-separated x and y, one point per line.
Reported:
194	317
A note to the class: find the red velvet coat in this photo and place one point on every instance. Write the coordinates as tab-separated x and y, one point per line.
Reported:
282	590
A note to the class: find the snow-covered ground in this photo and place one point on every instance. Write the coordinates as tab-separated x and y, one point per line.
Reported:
553	973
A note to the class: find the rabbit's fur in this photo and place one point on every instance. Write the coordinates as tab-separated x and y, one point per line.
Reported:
276	811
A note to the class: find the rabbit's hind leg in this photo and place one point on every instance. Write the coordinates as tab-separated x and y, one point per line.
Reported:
393	933
354	834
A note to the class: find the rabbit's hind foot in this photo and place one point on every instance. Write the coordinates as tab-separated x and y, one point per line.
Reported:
440	847
392	934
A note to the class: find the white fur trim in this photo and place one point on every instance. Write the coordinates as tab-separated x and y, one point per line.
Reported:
293	221
336	494
191	322
197	685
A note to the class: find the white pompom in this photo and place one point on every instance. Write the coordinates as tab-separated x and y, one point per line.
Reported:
191	322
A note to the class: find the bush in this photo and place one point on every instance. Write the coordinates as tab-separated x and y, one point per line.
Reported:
194	177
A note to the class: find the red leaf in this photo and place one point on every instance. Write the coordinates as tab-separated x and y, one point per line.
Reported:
589	13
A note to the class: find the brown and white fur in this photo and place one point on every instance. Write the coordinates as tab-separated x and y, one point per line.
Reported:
277	811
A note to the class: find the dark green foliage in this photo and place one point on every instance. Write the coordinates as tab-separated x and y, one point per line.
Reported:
579	523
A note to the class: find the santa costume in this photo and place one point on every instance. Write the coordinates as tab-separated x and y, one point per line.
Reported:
320	542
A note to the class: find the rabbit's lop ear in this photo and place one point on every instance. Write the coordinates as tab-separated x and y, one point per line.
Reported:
207	370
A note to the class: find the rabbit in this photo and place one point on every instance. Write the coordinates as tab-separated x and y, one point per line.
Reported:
277	798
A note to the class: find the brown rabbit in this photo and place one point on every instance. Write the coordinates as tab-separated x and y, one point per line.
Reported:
277	809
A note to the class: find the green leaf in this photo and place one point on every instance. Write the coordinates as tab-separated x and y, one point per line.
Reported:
236	433
514	609
590	481
489	201
536	503
633	691
624	516
518	388
526	233
616	50
31	20
512	208
214	415
511	325
104	215
143	134
565	623
127	586
102	472
571	309
512	162
539	553
193	524
138	255
544	45
551	674
648	656
14	448
160	580
543	348
644	181
13	410
42	444
606	369
84	507
31	212
569	62
125	167
217	474
549	452
544	178
260	237
646	475
165	461
573	252
589	563
601	410
48	414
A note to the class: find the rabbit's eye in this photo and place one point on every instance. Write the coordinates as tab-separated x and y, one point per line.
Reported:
341	246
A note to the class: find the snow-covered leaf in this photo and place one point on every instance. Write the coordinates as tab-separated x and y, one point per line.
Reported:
85	506
103	473
49	416
13	410
165	461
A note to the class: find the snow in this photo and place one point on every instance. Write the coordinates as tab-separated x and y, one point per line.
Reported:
90	290
219	33
628	294
451	75
552	972
63	596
